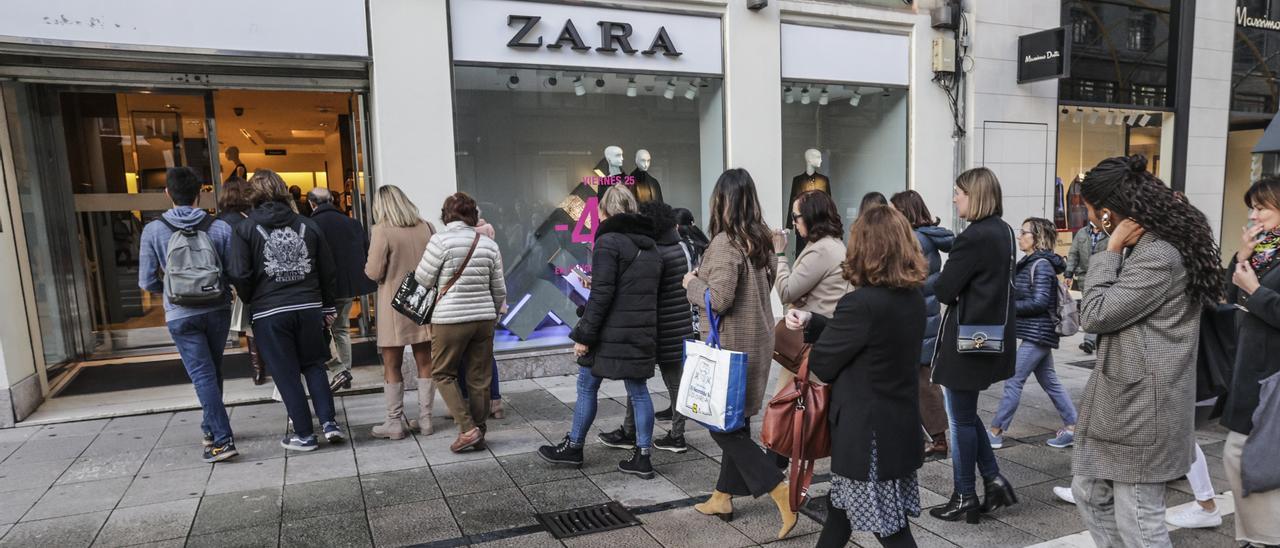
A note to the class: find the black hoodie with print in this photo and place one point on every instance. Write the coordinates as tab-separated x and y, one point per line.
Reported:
280	262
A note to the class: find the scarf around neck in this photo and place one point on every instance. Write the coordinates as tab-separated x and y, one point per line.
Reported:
1266	253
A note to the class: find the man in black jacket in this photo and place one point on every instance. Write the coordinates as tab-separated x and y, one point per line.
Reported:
350	248
282	269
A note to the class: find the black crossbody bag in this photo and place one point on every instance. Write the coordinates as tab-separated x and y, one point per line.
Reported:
987	339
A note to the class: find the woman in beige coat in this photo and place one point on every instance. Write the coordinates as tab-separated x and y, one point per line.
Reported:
738	269
398	240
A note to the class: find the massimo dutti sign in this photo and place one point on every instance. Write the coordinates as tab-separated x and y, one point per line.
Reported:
540	34
1244	20
1044	55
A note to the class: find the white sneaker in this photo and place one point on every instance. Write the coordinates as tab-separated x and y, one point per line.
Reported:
1065	494
1193	517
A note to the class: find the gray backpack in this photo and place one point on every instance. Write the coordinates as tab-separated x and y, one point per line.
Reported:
193	269
1066	317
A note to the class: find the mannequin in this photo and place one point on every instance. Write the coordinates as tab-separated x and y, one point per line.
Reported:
613	159
804	182
646	188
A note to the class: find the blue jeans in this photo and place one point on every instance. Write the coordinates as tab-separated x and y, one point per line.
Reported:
293	345
1038	359
969	445
584	411
201	341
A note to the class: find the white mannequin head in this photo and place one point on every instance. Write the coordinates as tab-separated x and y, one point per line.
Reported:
643	159
812	160
613	155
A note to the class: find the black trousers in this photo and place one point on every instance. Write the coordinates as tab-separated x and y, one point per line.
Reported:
292	343
745	469
837	530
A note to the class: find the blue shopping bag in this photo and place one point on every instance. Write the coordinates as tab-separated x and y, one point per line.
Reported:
713	385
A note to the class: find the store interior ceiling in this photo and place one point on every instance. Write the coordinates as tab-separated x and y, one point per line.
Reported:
1110	116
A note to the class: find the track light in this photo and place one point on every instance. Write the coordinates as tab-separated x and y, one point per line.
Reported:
1133	120
552	81
804	96
1078	115
1093	117
513	82
824	98
599	85
578	88
670	92
788	95
857	98
691	92
1063	117
631	87
1144	120
1111	118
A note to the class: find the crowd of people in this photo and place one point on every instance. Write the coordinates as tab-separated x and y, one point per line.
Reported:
905	341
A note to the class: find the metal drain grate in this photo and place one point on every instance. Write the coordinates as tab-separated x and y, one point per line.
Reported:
587	520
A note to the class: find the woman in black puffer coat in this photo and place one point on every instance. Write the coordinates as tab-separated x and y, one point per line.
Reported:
1036	291
616	338
675	325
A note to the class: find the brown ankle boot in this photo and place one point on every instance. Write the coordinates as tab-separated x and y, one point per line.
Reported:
718	504
781	496
259	367
393	427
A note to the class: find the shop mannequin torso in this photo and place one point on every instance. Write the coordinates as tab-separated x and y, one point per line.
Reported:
646	188
804	182
613	158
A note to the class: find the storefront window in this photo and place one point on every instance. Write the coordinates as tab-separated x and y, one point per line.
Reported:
531	149
1087	136
860	134
1256	63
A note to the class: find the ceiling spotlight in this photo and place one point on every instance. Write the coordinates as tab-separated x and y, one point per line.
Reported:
1144	120
578	88
1111	118
599	85
513	82
552	81
857	98
670	92
824	98
884	92
789	95
691	92
1078	115
1064	114
804	96
1133	119
631	87
1093	117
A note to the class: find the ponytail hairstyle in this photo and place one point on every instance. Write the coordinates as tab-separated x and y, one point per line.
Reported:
1124	186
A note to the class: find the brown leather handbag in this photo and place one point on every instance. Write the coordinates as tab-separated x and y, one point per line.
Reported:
795	425
789	348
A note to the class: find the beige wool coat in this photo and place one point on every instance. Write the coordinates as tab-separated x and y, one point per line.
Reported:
740	296
393	252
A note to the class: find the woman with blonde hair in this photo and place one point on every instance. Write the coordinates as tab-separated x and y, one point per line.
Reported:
398	240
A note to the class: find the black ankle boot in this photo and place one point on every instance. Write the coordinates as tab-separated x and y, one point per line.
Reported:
999	493
638	464
960	506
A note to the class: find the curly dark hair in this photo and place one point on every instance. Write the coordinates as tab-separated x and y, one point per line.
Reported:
1124	186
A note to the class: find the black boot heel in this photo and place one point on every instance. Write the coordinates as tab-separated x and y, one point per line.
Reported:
999	493
972	517
967	507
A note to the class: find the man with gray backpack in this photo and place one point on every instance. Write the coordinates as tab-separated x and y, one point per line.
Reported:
182	257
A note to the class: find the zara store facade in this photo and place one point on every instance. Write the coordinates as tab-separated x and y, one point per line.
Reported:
513	101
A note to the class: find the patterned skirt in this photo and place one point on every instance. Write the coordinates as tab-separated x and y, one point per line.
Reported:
879	507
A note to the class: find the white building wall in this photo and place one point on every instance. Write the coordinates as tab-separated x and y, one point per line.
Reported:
1013	127
1210	106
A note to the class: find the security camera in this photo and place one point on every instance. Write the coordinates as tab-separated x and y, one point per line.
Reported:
238	110
756	5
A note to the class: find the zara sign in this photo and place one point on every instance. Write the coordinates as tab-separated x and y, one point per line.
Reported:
521	33
1044	55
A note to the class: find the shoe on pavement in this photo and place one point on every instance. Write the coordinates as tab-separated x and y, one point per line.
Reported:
341	380
664	415
332	432
1065	438
293	442
563	453
471	440
1193	516
995	441
638	465
617	439
1064	494
1086	347
674	444
219	453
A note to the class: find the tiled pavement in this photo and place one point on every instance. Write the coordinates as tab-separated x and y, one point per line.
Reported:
138	481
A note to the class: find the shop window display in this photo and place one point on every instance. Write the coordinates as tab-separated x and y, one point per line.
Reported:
538	148
1088	135
844	140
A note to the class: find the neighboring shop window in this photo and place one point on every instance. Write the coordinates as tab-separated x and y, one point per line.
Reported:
1121	52
536	150
1256	64
859	134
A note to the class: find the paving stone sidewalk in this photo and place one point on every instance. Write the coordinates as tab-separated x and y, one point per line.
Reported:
138	481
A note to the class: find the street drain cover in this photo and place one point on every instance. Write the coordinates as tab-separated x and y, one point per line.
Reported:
587	520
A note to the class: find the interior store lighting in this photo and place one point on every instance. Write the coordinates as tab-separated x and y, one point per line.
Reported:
1133	120
1078	115
1111	117
691	92
670	92
1093	116
552	81
824	98
804	96
513	82
578	88
857	98
1144	120
788	95
631	87
599	85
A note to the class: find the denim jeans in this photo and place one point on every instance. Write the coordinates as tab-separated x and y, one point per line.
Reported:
584	410
969	446
1122	514
201	341
292	344
671	378
1037	359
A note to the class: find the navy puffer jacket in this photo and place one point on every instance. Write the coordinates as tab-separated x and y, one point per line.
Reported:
1035	288
934	241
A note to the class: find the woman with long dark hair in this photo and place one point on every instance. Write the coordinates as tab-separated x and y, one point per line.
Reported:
737	270
976	285
1143	297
